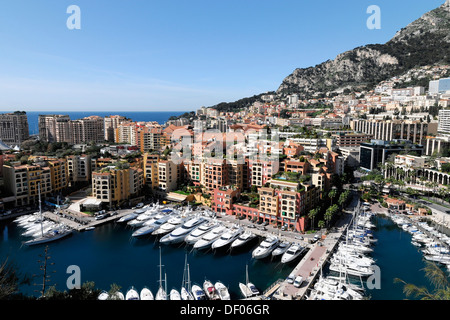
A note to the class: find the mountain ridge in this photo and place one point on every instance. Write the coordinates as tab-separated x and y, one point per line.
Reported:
425	41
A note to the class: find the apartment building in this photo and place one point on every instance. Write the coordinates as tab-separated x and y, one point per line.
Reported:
14	128
111	123
415	131
79	168
167	175
260	172
444	121
88	129
55	128
347	139
23	181
151	170
224	199
113	186
216	174
148	138
59	174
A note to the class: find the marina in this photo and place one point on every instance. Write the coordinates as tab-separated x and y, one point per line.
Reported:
295	279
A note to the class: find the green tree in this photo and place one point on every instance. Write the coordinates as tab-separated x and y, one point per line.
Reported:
312	214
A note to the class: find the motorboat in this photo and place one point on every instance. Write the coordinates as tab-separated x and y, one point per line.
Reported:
173	223
253	289
178	235
149	229
198	233
117	296
174	295
128	217
140	219
244	238
281	248
352	269
227	238
146	294
245	291
103	295
198	292
292	253
265	248
210	290
222	290
132	294
207	240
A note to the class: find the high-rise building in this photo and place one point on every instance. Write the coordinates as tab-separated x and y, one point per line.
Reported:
439	86
111	124
14	128
444	121
388	130
55	128
88	129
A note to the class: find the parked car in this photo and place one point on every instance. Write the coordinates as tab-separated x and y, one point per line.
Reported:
298	281
290	278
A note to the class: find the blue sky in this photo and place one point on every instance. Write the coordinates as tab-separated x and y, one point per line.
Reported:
172	55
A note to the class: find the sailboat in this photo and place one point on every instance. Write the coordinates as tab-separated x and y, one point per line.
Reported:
56	233
245	290
161	294
186	289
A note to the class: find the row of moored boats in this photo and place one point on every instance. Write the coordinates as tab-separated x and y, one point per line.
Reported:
433	243
202	232
350	262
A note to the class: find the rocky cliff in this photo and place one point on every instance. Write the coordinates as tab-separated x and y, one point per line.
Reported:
425	41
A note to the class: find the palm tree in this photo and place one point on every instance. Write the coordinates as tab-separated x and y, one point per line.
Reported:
332	194
312	214
438	279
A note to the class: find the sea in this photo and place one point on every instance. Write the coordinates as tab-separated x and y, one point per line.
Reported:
159	116
110	255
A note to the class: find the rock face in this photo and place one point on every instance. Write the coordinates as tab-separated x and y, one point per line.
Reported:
425	41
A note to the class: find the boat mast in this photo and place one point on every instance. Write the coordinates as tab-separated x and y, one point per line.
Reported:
40	209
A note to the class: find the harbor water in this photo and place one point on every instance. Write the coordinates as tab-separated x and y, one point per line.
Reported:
109	255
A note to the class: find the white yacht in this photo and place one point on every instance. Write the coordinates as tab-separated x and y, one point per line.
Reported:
244	238
265	248
281	249
132	294
146	294
206	241
210	290
173	223
198	292
178	235
103	295
222	290
227	238
148	229
198	233
352	269
292	253
128	217
140	219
